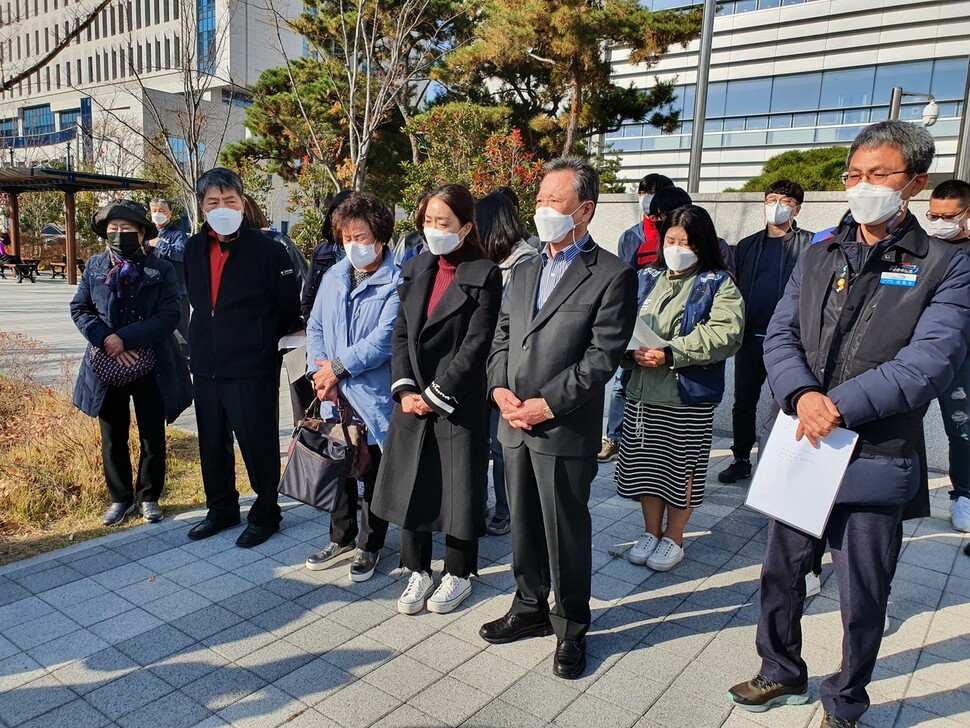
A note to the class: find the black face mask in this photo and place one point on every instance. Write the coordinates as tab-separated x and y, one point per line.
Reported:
124	245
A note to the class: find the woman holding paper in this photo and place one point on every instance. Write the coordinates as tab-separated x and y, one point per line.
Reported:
696	310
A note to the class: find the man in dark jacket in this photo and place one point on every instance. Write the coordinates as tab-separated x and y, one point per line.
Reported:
244	297
566	319
170	245
764	263
873	325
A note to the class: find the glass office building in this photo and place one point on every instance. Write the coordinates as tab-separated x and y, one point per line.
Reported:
800	74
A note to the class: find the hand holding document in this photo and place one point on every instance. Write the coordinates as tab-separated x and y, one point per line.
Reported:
796	483
643	335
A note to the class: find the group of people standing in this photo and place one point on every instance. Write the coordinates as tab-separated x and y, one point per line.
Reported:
484	343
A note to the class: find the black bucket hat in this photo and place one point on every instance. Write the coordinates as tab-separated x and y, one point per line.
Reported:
123	210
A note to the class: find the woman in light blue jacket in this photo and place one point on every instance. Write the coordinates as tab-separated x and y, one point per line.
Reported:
349	356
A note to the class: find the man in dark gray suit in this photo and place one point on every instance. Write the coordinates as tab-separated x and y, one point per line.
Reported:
565	323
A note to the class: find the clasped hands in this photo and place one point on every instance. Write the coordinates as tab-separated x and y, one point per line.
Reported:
817	417
325	381
115	348
647	357
520	415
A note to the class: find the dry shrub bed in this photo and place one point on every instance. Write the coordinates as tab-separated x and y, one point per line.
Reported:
52	490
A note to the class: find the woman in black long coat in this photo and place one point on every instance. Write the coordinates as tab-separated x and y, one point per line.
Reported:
433	475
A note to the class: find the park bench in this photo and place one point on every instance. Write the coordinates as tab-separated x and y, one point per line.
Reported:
60	269
20	271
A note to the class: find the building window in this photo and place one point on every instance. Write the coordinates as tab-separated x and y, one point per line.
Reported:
67	72
70	119
168	53
38	120
206	10
8	127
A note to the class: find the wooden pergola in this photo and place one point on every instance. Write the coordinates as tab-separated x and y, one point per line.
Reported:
17	180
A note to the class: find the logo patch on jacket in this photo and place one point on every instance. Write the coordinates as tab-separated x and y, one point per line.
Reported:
900	275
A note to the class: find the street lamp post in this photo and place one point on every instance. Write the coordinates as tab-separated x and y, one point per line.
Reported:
700	97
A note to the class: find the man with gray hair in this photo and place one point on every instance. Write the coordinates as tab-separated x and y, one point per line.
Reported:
170	246
244	298
872	327
565	322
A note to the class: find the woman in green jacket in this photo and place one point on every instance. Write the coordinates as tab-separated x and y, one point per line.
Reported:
695	307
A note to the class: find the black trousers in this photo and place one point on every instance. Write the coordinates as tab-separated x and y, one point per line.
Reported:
115	421
864	546
749	376
247	408
343	520
551	536
183	324
301	397
461	556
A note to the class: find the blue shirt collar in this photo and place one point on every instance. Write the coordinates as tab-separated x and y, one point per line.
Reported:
566	254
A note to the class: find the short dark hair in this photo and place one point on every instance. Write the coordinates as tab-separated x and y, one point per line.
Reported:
587	178
787	188
224	179
952	189
654	182
254	214
701	235
669	199
509	194
499	226
363	206
328	232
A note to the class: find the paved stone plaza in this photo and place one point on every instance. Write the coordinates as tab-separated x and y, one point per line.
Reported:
147	628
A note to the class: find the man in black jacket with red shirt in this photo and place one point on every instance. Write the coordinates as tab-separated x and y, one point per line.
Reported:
244	297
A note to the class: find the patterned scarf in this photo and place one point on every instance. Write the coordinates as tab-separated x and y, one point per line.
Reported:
124	272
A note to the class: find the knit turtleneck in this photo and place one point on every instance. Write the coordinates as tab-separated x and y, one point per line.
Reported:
447	265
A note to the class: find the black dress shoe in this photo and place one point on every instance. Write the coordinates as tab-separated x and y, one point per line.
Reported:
513	627
254	535
210	527
569	661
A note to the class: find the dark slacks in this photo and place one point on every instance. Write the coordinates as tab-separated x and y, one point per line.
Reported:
551	536
115	421
247	408
749	376
343	520
183	324
461	556
864	549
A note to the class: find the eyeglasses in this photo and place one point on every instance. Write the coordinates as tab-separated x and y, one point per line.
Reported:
875	178
933	217
786	201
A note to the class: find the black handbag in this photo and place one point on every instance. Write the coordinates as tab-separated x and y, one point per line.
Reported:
322	455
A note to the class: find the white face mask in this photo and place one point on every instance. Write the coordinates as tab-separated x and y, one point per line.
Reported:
645	204
361	254
946	229
551	225
777	213
872	204
679	258
441	242
159	218
224	220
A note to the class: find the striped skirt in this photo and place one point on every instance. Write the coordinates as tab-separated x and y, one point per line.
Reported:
663	447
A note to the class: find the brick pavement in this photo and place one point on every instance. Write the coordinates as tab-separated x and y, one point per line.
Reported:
147	628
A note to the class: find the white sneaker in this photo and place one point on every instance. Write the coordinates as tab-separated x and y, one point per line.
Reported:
960	513
642	549
813	585
452	591
666	556
415	593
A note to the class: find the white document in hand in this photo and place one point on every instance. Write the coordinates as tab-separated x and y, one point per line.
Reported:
796	483
643	335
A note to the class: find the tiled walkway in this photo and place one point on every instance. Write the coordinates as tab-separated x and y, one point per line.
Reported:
148	628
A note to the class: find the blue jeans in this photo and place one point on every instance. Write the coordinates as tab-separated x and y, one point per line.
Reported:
956	423
614	416
498	467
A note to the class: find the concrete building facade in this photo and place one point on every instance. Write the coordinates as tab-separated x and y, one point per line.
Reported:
799	74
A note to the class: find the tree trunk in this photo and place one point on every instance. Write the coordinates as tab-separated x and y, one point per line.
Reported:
576	103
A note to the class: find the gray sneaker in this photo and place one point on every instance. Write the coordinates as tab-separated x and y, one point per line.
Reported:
117	513
364	564
150	511
328	556
498	526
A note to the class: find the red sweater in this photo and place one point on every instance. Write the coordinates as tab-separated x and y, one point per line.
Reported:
447	265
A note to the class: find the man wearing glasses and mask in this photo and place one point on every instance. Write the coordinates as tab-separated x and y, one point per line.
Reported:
872	326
